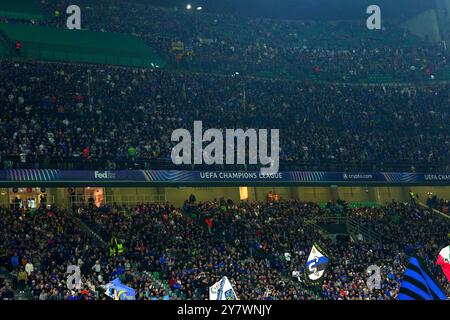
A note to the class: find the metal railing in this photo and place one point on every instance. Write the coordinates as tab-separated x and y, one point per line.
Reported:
79	163
122	199
447	216
353	226
83	226
329	220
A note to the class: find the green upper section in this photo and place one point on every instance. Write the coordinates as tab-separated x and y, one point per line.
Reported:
21	9
46	43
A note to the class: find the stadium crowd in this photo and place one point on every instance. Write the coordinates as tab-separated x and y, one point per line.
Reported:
39	245
439	204
256	245
56	114
72	116
226	44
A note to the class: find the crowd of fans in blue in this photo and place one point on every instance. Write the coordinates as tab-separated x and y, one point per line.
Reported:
256	245
104	117
56	115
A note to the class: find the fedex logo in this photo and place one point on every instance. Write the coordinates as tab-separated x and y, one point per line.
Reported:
104	175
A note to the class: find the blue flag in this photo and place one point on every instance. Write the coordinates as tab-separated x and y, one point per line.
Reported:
118	291
418	284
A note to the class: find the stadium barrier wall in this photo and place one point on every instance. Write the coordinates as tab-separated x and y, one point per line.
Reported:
137	186
151	178
130	196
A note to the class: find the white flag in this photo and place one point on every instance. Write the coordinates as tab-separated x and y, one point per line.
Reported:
222	290
316	264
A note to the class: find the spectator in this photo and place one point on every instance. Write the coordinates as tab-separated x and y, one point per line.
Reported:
21	280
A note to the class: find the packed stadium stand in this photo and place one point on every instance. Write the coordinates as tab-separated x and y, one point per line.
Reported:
256	244
342	127
86	114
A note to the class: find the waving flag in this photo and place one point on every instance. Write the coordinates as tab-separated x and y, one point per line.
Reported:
118	291
443	260
316	265
418	284
222	290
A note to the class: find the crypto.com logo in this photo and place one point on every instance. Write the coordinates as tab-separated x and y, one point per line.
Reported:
213	153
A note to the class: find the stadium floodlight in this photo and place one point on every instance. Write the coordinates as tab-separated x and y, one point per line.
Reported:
189	6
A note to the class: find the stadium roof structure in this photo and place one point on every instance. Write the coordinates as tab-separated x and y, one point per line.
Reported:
302	9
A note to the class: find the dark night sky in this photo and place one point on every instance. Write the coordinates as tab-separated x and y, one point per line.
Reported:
304	9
